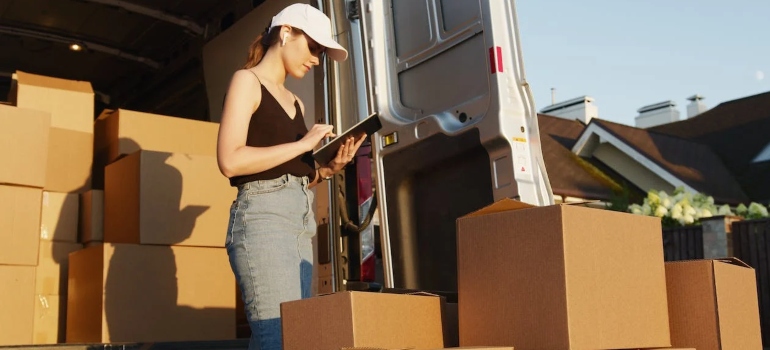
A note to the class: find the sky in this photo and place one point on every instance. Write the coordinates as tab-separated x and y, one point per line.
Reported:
627	54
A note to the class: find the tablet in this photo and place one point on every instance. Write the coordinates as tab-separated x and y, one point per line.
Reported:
368	126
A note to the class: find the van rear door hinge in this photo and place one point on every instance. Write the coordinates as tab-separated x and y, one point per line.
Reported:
354	10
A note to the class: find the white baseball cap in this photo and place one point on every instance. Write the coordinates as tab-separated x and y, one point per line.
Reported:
315	24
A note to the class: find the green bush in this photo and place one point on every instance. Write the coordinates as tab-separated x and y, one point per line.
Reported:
684	208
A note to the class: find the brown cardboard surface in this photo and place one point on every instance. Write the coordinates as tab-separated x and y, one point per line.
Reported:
70	161
144	293
738	306
502	205
122	203
59	217
561	277
17	293
50	319
91	221
480	348
448	312
123	131
452	348
19	225
24	137
52	267
70	102
85	295
692	306
362	319
713	304
371	348
166	198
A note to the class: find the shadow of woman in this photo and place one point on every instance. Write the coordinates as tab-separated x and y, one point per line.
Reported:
146	285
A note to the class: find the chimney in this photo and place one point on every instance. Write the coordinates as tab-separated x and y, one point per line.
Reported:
581	108
696	106
657	114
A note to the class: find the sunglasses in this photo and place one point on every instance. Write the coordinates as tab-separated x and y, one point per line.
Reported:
315	48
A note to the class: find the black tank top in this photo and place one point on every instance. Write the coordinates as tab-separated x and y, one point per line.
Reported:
270	125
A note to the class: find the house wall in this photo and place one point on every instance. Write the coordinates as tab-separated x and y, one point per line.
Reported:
631	169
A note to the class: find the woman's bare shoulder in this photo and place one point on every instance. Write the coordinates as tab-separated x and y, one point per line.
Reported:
244	94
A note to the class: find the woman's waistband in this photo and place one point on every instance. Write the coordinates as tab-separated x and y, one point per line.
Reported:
286	178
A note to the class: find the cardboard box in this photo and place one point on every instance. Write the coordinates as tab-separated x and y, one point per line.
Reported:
52	267
480	348
166	198
69	102
452	348
124	132
59	217
19	225
24	137
70	161
713	305
560	277
17	293
147	293
449	322
50	319
362	319
121	132
92	216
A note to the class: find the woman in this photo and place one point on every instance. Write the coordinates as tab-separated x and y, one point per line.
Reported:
264	148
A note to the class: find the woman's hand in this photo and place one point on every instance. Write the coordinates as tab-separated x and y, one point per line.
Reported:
315	135
345	154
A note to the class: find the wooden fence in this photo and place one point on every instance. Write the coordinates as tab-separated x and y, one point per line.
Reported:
751	244
683	243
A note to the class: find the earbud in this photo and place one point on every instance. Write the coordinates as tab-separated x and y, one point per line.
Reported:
285	36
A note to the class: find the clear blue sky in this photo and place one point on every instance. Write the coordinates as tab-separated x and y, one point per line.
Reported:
630	53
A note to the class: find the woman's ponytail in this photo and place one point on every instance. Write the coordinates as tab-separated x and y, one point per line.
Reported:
260	45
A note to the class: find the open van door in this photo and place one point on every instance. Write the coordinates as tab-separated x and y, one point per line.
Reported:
459	127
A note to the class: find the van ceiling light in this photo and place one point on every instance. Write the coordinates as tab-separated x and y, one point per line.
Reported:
76	47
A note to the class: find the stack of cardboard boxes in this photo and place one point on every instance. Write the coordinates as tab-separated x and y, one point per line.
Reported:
110	230
561	277
23	156
47	138
155	268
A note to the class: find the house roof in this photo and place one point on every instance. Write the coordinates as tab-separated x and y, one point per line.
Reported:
569	174
692	162
736	131
711	152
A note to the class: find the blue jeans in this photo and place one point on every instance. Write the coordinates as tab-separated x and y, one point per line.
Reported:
270	249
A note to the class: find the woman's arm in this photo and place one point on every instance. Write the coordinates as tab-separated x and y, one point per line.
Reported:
345	154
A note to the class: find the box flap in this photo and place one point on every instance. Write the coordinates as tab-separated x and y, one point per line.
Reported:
24	78
733	261
504	204
737	306
507	204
